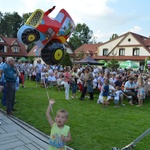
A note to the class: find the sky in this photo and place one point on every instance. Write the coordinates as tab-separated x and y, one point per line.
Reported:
103	17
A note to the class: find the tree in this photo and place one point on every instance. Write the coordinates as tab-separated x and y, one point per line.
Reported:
26	16
113	36
66	60
113	64
9	24
30	46
81	35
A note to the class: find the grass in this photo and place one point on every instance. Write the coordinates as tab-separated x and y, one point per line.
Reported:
92	126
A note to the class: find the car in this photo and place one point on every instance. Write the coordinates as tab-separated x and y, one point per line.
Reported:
49	34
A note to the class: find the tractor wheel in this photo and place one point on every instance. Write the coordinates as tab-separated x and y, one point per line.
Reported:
30	35
52	53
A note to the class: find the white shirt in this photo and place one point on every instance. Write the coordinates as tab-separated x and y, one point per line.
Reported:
51	78
117	95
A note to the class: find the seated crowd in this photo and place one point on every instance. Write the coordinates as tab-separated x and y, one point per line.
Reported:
128	84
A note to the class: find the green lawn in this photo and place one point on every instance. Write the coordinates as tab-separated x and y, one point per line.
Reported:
92	126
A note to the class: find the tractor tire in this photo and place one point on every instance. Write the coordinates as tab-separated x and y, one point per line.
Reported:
52	53
30	35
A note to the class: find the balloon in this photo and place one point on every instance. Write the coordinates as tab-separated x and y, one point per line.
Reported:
48	34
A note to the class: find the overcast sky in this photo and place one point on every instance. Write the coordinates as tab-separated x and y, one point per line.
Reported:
103	17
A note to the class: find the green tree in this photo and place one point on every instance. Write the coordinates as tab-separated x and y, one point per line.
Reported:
30	46
81	35
113	64
80	54
9	24
66	60
26	16
113	36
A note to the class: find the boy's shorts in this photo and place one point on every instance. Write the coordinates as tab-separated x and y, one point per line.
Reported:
105	98
141	97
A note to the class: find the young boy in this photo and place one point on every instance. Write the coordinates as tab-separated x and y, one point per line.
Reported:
105	92
119	96
141	91
118	92
60	133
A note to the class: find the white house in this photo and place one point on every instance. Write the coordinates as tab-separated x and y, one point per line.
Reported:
129	46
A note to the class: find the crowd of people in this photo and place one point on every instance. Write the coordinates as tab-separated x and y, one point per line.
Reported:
111	85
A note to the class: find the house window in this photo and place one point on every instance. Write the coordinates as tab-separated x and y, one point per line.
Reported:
129	40
121	52
1	48
136	51
105	52
15	50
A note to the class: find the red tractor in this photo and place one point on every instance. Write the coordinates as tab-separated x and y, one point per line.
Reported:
49	34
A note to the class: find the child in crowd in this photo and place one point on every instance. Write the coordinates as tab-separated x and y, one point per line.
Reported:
60	82
33	75
141	91
119	96
60	133
105	92
80	86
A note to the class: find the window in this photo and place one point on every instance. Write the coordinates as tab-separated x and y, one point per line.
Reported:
1	48
15	50
136	51
121	52
129	40
105	52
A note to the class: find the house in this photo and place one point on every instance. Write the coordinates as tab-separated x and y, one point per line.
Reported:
36	52
12	47
129	46
87	50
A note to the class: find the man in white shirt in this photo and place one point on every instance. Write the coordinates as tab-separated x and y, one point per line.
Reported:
129	90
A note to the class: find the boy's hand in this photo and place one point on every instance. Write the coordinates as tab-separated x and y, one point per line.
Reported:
51	101
63	138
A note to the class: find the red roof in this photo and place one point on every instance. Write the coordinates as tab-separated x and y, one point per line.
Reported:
87	48
9	42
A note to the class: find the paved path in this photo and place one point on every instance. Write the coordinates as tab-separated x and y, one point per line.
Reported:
17	135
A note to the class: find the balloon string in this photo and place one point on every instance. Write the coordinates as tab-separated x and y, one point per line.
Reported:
47	95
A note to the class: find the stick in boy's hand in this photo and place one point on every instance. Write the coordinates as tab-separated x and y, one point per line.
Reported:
63	138
51	102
